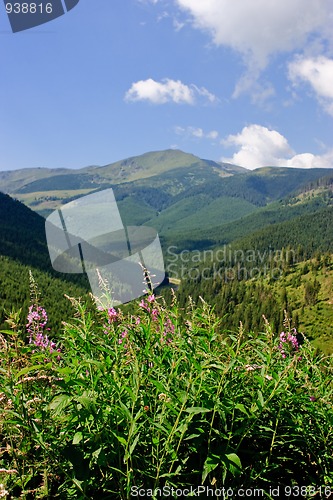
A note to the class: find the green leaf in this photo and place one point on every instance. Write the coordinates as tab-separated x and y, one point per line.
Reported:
214	365
77	437
210	464
28	369
162	428
261	399
120	439
192	436
241	407
59	403
197	409
131	449
78	484
234	464
9	332
85	401
267	429
97	453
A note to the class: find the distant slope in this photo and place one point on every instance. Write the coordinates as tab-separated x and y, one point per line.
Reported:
267	213
198	203
200	212
13	180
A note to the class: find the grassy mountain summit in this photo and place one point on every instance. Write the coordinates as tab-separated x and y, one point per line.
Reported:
171	171
155	163
137	167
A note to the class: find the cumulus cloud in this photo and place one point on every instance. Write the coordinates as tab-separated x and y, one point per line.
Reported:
259	28
309	160
318	73
196	132
167	91
259	146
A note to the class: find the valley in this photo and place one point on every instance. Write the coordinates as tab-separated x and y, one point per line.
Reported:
199	208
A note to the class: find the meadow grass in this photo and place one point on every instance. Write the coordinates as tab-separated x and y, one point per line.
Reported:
158	399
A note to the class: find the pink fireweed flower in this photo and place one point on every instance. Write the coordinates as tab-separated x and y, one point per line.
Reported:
122	337
288	343
37	320
168	331
150	299
154	314
112	315
169	327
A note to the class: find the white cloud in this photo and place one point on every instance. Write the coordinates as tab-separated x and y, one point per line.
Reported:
318	73
260	28
213	134
259	146
167	91
163	15
261	93
309	160
178	25
203	92
196	132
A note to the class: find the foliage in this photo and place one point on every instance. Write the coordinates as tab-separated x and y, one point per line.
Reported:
160	397
264	282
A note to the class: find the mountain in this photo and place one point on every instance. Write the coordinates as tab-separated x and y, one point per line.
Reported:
60	184
187	199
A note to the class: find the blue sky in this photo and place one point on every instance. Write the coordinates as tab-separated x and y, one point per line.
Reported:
249	82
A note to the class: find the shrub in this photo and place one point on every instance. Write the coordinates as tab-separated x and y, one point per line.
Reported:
159	398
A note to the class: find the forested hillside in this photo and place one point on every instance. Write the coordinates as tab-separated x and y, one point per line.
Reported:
23	248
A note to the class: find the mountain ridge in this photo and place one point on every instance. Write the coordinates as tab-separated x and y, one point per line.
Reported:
13	180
